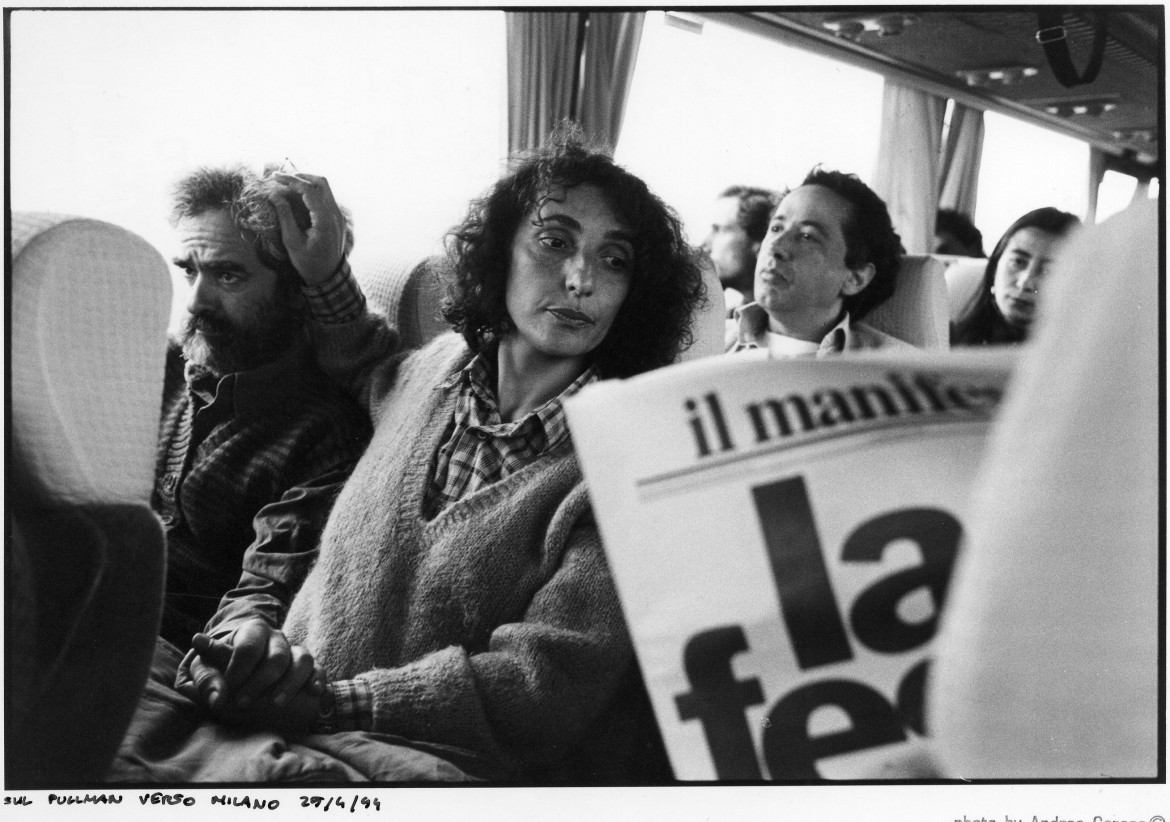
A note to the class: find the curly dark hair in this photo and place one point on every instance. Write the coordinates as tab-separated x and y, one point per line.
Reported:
869	237
653	324
981	322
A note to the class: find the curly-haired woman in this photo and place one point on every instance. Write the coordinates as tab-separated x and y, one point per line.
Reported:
461	596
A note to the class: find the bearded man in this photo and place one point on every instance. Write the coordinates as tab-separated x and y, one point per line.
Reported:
254	441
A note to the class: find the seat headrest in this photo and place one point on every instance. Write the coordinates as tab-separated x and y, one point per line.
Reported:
710	320
964	276
89	311
408	291
917	310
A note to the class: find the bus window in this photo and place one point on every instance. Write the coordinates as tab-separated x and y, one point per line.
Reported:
405	118
1026	167
722	107
1117	191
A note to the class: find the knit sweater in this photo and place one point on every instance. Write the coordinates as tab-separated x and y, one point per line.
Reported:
494	627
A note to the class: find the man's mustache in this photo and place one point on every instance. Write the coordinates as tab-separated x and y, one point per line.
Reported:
209	324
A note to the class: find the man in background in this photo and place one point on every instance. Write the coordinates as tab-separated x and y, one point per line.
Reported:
254	441
954	233
739	219
830	255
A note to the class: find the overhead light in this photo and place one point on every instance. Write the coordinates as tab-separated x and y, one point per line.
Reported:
1081	108
852	26
1000	76
1137	135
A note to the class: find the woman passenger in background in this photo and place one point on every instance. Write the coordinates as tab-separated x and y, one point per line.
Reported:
1003	308
461	598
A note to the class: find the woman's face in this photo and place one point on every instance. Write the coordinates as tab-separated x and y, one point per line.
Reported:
572	264
1020	273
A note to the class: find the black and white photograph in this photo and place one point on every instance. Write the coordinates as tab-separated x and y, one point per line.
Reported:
594	412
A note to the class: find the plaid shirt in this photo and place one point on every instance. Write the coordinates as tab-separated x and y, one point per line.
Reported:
478	450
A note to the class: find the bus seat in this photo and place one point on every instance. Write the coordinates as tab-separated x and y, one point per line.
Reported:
963	276
84	553
710	320
87	297
408	291
1047	660
917	310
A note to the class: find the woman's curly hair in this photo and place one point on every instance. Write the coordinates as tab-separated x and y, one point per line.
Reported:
653	324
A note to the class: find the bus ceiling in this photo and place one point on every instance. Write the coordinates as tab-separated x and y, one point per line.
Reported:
1092	74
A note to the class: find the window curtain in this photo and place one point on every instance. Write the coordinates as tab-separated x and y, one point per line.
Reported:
959	182
542	73
1097	168
907	174
611	52
916	172
576	65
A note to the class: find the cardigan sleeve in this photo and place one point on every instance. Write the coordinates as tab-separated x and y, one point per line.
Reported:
534	688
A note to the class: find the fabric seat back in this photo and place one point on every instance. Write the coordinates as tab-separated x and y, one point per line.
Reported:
1050	635
917	310
84	553
964	276
409	291
90	303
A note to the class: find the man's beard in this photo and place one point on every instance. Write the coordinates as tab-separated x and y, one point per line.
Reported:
269	330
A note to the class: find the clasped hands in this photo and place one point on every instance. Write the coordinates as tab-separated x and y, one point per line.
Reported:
255	677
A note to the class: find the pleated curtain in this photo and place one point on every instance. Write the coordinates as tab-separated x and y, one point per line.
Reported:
917	173
907	170
575	65
959	180
542	73
611	51
1097	169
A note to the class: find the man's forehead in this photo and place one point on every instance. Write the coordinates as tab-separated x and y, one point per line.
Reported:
212	232
726	211
818	204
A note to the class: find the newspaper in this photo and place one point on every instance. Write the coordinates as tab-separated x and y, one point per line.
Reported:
782	535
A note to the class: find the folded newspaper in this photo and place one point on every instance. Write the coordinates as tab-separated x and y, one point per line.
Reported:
782	535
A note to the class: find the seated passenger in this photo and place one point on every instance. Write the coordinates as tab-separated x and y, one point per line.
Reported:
954	233
739	220
461	598
830	255
1005	304
250	426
